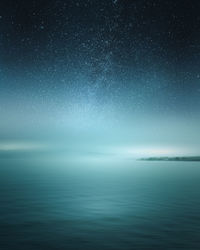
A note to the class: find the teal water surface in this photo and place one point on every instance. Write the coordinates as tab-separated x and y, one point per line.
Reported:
99	205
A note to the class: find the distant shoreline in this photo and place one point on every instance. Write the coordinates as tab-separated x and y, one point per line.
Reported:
177	158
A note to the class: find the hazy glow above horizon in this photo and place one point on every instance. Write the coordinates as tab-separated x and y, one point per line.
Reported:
152	151
20	146
96	152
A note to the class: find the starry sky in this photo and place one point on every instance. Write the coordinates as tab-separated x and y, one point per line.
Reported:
86	74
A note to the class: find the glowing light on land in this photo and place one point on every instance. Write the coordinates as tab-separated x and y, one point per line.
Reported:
152	151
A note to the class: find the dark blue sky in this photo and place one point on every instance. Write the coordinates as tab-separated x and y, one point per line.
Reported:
128	70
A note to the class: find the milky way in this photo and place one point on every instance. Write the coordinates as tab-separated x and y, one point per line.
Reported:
119	73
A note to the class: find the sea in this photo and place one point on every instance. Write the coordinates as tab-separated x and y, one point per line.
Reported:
91	205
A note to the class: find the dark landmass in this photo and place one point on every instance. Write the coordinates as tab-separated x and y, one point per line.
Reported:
182	158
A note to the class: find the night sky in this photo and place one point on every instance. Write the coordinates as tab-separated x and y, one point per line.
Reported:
122	74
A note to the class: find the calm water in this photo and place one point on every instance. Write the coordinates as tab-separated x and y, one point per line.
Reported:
126	205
